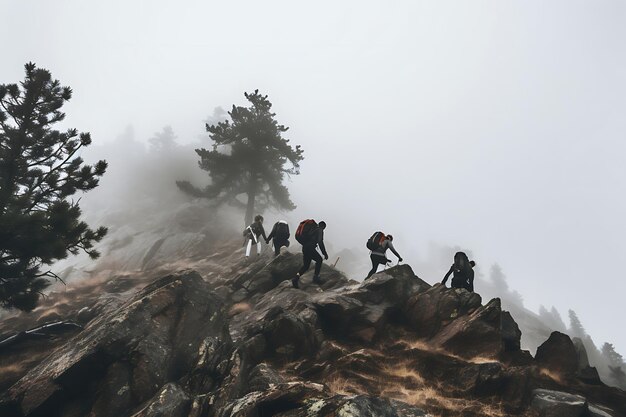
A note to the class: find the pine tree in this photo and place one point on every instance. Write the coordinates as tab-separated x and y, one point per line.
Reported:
39	171
576	328
249	159
557	317
501	286
163	141
614	358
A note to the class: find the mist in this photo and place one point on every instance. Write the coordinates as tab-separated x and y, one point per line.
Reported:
496	128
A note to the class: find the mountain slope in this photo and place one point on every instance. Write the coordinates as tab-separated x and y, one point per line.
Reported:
234	338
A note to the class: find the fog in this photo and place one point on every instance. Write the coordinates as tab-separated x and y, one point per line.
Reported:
494	127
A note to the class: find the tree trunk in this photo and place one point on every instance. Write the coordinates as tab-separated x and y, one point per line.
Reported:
250	206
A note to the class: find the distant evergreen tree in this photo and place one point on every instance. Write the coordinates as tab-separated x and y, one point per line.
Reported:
249	160
164	140
558	319
618	376
614	358
501	286
616	365
552	318
39	172
576	328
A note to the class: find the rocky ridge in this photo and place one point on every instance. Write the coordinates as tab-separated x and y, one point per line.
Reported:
233	338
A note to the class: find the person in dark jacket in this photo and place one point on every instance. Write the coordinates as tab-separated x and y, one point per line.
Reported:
379	257
280	234
462	271
253	233
310	253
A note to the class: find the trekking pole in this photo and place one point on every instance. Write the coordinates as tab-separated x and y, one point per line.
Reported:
335	264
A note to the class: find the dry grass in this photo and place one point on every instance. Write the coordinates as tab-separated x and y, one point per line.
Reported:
404	372
425	346
418	344
430	399
342	386
12	368
239	308
478	360
401	382
551	374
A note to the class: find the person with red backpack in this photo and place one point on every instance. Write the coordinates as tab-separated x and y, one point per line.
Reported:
378	244
311	234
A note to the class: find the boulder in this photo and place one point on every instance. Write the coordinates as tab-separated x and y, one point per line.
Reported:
586	373
558	355
430	310
125	356
170	401
478	334
558	404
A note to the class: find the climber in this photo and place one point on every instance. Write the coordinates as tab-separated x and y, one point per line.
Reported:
463	271
253	233
310	235
378	244
280	234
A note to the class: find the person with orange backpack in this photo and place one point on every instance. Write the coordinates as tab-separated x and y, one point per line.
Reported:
311	234
378	244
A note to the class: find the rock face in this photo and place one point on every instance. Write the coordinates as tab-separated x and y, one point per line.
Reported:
126	356
559	355
235	339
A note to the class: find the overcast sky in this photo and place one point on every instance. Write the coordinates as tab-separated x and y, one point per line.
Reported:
496	126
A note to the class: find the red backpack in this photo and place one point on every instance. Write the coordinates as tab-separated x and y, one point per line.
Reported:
375	241
306	230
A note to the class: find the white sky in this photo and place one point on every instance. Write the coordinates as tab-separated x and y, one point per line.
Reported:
496	126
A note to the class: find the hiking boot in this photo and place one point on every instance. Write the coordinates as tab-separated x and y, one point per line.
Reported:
317	280
294	282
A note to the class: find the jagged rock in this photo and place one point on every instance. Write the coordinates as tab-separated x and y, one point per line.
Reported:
511	334
430	310
478	334
561	404
242	342
263	377
280	398
264	273
299	399
288	335
586	373
558	355
152	339
558	404
362	405
171	401
361	311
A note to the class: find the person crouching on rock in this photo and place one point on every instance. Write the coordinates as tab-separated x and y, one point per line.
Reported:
310	235
280	234
463	271
253	233
378	244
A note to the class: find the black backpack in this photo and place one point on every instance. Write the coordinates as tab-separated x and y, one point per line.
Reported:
306	232
461	261
282	231
376	241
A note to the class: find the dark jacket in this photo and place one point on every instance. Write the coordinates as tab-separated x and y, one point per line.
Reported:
317	239
273	235
256	230
463	278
